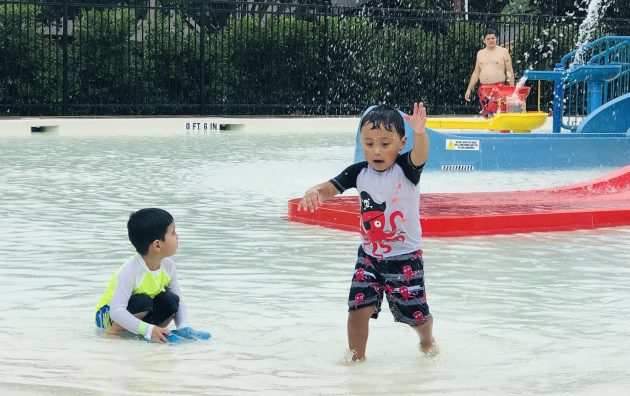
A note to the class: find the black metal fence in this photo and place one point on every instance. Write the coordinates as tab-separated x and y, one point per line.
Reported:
64	57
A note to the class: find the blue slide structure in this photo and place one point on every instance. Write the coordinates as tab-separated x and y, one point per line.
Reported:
595	92
611	117
581	86
485	151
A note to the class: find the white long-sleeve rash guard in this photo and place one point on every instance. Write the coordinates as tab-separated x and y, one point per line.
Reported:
132	275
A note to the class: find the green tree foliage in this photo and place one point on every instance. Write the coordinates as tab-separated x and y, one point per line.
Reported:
421	5
520	7
352	74
53	10
406	67
30	69
577	8
216	13
103	61
459	48
273	60
487	6
171	52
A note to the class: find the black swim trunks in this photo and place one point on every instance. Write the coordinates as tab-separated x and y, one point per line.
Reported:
401	278
158	309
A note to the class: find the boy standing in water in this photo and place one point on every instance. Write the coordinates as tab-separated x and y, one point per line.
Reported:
143	296
390	257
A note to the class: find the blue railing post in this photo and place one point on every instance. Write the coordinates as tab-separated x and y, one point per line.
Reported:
558	99
594	95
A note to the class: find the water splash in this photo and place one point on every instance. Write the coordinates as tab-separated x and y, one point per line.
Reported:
346	360
521	82
595	10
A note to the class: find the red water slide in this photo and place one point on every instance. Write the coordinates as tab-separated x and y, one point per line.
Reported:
601	202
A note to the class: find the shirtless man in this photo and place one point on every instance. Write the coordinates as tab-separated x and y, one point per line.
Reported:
492	66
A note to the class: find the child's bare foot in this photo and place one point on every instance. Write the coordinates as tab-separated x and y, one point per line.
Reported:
351	358
427	342
430	349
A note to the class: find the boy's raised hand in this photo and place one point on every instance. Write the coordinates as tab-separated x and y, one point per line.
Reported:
418	120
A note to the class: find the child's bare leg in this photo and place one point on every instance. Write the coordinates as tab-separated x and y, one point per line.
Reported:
167	321
358	326
425	331
116	328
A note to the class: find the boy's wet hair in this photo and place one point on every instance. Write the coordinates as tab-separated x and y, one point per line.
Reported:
146	226
489	31
386	116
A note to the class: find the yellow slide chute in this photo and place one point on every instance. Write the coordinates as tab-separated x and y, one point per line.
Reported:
515	122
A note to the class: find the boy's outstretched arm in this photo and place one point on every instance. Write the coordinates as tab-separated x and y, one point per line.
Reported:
418	121
315	196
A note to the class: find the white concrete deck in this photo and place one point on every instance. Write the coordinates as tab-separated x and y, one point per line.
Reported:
156	126
162	126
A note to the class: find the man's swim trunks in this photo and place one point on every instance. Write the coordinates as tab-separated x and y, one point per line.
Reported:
489	107
401	278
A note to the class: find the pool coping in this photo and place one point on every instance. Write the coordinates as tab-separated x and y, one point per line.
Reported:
168	126
185	125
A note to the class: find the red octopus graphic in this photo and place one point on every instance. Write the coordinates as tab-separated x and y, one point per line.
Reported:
417	255
358	298
373	225
407	272
405	293
418	316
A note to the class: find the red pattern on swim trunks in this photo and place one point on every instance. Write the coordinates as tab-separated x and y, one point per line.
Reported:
489	107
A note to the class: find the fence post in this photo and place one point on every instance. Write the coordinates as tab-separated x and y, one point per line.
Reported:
64	68
558	98
202	54
324	76
437	48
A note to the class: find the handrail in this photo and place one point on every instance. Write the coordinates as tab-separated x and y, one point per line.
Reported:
614	48
589	88
571	84
594	44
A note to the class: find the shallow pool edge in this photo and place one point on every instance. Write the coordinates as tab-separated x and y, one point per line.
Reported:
168	126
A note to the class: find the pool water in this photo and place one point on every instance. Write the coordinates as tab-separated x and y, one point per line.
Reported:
514	314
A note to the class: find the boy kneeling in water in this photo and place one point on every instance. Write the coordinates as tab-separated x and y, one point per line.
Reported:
143	295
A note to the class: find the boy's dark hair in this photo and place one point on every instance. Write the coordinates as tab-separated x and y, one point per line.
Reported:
388	117
489	31
146	226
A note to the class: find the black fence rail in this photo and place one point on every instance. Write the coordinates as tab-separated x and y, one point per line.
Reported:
149	57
